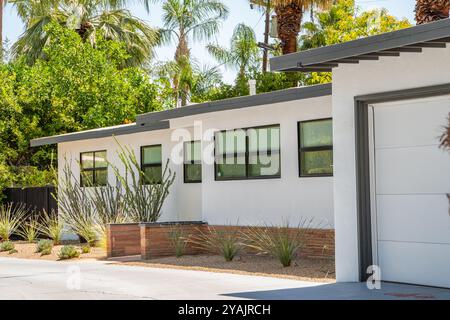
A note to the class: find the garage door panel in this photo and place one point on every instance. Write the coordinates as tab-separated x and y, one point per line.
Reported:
412	170
411	123
413	218
418	263
412	178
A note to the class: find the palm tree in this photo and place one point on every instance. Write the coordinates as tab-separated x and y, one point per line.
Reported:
431	10
187	78
289	18
86	17
185	20
243	51
199	19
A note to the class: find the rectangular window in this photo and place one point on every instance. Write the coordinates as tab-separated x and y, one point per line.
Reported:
192	162
315	148
151	163
94	169
249	153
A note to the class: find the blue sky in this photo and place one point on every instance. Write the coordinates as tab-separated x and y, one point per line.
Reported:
240	12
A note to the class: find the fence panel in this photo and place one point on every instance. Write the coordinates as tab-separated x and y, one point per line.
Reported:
36	199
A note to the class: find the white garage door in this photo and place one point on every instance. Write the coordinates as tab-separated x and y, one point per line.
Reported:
412	180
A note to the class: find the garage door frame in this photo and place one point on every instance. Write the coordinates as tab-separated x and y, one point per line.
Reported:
362	145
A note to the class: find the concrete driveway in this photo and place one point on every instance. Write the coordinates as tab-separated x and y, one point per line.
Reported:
36	279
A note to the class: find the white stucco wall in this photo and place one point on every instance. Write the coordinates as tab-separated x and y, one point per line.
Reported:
221	202
184	200
267	201
410	70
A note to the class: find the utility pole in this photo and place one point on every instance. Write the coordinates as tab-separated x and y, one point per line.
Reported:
266	37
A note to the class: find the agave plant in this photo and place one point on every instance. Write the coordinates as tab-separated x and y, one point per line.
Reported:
11	218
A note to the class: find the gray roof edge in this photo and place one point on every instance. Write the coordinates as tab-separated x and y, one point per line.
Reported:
96	133
385	41
238	103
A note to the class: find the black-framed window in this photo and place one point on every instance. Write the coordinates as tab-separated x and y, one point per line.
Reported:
250	153
93	169
151	163
192	162
315	140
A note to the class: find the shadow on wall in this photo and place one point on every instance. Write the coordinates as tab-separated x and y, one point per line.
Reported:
348	291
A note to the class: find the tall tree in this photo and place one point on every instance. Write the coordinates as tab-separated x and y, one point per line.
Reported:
86	17
289	19
431	10
243	52
343	22
186	20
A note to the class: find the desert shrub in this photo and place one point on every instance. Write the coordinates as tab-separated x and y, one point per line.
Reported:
281	242
29	230
178	239
221	241
51	226
12	251
6	246
142	201
44	247
85	248
76	209
11	218
68	252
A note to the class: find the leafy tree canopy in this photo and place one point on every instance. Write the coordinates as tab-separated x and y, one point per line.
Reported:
76	87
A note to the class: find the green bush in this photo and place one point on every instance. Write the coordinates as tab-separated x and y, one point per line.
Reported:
85	248
44	247
12	251
68	252
223	242
178	240
6	246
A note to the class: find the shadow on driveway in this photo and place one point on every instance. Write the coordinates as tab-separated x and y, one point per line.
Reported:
350	291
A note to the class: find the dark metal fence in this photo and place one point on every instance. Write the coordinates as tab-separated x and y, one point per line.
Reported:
36	199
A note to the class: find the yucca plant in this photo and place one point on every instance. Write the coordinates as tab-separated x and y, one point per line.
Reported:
221	241
51	226
11	218
178	239
281	242
29	230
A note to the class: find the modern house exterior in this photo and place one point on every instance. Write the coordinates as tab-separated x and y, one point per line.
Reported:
361	153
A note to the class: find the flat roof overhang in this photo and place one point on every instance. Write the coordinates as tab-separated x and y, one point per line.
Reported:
391	44
98	133
161	120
